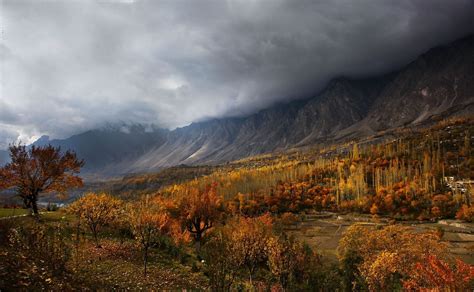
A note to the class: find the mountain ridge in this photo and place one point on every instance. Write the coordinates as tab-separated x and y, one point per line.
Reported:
439	83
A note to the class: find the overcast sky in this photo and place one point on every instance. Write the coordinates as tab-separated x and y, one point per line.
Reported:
68	66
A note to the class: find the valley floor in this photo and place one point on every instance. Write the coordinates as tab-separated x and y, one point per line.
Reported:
324	230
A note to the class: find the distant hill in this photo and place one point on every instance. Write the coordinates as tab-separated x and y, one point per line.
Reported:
438	84
112	148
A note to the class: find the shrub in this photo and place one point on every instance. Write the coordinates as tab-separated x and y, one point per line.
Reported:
466	213
46	244
35	258
288	218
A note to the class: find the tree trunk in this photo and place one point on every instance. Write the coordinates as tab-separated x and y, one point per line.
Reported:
96	239
250	278
145	259
34	205
27	203
93	228
198	242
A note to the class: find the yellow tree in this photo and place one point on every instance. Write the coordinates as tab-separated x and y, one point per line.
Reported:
199	211
96	210
355	152
149	222
38	170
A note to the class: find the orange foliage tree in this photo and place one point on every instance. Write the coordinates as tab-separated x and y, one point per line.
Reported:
199	211
38	170
466	213
4	179
222	264
148	221
250	237
97	210
285	197
249	244
434	274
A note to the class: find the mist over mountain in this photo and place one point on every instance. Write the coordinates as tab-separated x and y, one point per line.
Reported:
436	85
71	66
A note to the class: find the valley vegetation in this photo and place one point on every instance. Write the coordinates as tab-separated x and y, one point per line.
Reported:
232	227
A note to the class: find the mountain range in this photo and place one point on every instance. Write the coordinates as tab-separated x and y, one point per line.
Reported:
438	84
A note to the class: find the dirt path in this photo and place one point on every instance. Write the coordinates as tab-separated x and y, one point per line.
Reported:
22	215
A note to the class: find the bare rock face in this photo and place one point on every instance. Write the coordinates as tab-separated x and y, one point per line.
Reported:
342	104
440	83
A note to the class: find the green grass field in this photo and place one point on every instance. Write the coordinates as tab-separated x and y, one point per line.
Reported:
12	212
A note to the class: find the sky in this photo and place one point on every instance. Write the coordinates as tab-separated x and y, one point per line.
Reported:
70	66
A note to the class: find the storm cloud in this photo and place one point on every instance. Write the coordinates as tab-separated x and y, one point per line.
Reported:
68	66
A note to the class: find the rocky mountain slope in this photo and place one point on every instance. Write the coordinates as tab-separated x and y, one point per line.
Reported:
440	83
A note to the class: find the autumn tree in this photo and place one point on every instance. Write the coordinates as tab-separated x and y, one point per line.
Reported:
4	179
355	152
434	274
250	237
222	264
199	211
148	222
385	258
466	213
97	210
38	170
293	264
282	259
350	257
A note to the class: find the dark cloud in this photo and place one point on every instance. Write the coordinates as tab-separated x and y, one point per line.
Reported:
67	66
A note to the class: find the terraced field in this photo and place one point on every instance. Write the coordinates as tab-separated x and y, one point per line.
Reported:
323	232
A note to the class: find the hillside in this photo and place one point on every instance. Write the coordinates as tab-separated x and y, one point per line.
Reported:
262	172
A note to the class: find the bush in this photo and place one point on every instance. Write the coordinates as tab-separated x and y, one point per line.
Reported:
288	218
5	226
52	207
35	258
46	244
466	213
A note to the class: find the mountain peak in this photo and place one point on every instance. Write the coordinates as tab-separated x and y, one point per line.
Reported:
42	141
